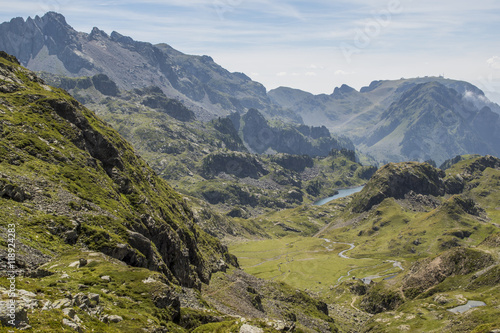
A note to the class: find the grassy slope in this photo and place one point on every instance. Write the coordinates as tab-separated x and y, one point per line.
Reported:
40	146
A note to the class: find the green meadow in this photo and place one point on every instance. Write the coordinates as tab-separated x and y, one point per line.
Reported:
307	262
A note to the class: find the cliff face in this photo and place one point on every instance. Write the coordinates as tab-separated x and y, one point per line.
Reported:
50	32
261	136
86	184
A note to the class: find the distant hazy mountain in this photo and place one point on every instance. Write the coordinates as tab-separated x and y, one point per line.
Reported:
49	44
407	119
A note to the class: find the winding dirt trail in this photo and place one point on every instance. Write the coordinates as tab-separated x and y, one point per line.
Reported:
368	278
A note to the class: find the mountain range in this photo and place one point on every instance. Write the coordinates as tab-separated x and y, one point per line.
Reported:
49	44
132	203
240	164
408	119
457	117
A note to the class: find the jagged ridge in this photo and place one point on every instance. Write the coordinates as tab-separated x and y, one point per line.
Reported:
49	43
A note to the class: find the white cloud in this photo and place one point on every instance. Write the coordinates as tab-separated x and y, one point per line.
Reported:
311	74
282	74
340	72
494	62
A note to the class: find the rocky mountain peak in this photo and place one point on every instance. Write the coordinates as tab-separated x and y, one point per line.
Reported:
96	33
53	17
344	89
117	37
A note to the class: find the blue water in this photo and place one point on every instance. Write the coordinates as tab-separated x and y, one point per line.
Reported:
468	306
341	194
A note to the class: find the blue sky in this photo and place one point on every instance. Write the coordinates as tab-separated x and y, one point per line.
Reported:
311	45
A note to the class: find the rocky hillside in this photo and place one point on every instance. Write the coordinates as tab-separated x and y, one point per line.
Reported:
396	180
50	44
80	172
407	119
243	185
101	242
449	221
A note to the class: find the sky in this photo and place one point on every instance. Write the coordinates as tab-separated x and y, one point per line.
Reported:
313	45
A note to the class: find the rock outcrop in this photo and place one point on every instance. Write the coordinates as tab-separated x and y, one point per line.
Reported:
238	164
396	180
297	163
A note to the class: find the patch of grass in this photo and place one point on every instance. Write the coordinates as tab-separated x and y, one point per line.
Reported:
222	327
305	263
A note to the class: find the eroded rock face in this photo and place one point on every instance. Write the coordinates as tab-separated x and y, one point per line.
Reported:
378	300
480	164
457	183
261	137
12	191
163	297
105	85
50	31
244	295
156	99
296	163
